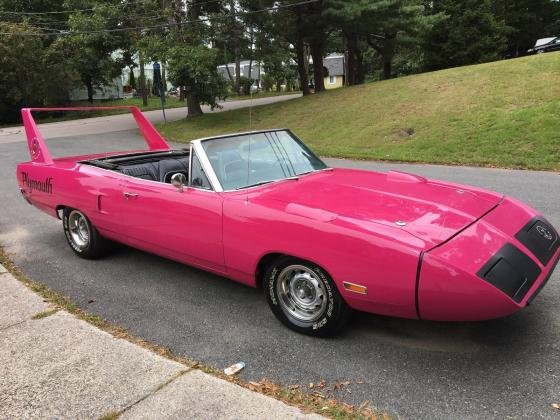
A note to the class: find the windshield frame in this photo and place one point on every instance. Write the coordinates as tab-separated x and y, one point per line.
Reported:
211	174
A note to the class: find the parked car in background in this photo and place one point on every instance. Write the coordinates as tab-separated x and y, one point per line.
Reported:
546	45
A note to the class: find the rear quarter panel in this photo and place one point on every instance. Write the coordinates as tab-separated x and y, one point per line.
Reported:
66	183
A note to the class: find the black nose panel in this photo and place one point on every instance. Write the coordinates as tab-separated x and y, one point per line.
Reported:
511	271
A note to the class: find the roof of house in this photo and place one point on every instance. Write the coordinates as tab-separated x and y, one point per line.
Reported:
334	63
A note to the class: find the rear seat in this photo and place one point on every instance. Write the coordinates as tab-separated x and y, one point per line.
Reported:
160	171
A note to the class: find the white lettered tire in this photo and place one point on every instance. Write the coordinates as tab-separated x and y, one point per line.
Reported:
82	236
304	297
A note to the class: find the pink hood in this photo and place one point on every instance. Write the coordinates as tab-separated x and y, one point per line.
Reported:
430	210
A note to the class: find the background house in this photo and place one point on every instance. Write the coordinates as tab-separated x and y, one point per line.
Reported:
335	70
113	90
256	71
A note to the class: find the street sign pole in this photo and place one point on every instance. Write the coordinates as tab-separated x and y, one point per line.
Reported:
159	84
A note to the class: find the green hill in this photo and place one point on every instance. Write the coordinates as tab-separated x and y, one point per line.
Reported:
503	114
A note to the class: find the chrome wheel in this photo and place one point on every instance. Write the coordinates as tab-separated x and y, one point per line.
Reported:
78	228
302	293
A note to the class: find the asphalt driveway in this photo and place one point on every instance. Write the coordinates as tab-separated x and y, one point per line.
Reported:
508	368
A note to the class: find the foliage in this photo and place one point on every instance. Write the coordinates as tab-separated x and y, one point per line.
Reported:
267	82
383	24
132	79
90	54
93	40
472	33
527	20
28	77
194	67
245	84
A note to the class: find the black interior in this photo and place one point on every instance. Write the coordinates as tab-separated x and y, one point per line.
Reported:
159	166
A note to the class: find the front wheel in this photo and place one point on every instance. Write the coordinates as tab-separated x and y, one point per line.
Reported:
304	297
82	236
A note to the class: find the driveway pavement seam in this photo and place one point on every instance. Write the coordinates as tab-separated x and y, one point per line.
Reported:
12	325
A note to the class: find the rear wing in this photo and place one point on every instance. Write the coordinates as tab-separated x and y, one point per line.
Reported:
39	151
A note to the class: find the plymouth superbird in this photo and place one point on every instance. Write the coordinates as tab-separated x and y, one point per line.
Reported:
262	209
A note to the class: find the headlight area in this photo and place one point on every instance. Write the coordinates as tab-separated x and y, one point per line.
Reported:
489	270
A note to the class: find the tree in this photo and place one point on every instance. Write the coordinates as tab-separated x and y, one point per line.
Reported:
194	66
528	21
28	76
383	24
471	34
89	50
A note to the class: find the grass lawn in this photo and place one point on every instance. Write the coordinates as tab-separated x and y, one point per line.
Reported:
501	114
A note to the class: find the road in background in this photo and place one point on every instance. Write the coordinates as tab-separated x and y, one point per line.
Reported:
496	369
124	122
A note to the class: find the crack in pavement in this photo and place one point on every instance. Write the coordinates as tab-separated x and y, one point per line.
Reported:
157	389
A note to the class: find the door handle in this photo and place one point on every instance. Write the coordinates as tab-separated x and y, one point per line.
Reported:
128	195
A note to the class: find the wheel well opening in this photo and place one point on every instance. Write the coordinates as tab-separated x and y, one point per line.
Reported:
59	209
263	264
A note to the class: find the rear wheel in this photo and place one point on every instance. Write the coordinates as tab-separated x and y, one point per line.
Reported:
304	297
82	236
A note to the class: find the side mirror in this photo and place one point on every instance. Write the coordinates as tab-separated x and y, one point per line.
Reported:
179	180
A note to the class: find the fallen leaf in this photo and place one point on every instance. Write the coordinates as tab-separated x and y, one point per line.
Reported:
363	405
347	406
341	384
556	405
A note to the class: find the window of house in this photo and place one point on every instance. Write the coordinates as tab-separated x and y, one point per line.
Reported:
332	80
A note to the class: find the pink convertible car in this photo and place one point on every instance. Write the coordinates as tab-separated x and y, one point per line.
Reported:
262	209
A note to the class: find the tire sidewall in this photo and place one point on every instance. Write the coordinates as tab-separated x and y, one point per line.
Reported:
76	249
329	322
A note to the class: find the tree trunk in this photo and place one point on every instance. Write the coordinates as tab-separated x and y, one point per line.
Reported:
388	54
227	69
387	69
360	74
355	60
193	101
143	90
318	71
193	106
350	62
302	68
89	86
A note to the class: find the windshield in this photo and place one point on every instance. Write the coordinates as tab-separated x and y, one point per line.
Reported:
257	158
